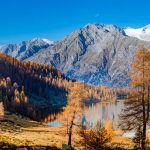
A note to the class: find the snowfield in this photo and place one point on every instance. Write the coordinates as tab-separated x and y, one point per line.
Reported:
140	33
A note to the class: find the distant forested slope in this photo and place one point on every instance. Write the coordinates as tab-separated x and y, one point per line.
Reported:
27	87
36	90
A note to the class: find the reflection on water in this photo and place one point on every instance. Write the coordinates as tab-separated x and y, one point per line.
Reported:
97	112
55	123
49	116
129	134
103	112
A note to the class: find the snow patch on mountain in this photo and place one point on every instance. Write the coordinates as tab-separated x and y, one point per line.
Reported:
48	41
140	33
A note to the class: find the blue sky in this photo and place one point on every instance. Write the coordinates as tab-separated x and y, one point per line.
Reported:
53	19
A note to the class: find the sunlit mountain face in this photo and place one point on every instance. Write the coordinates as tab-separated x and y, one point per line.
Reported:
98	54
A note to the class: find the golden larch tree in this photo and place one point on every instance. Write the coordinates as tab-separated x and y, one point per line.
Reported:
73	111
137	104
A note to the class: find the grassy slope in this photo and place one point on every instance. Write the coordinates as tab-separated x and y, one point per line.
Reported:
19	131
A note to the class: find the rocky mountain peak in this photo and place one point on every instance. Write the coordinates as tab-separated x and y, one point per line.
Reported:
99	54
104	27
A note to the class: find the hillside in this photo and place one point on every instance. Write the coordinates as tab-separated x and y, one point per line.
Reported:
37	90
29	88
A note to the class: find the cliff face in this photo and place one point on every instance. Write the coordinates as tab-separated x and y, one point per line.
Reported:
97	54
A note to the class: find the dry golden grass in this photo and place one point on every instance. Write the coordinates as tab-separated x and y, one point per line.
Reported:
22	131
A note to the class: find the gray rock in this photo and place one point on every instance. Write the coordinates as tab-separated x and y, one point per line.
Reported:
26	49
96	54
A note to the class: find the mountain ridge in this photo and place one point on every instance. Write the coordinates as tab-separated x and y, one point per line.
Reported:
99	54
26	48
